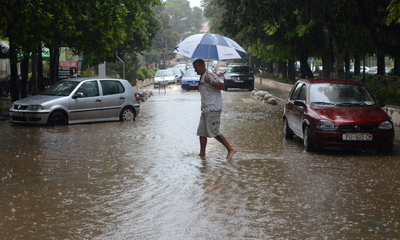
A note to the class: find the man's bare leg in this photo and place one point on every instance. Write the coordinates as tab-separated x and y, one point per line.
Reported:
231	150
203	144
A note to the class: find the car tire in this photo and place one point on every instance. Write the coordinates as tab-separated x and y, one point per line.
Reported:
307	143
287	132
127	114
57	118
251	87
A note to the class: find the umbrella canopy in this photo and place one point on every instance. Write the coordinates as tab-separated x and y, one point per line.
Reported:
210	46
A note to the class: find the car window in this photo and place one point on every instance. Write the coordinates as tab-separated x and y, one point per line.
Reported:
296	93
112	87
340	94
89	89
302	94
239	69
191	73
61	88
164	73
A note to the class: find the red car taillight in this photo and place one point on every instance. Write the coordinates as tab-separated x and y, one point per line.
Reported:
137	97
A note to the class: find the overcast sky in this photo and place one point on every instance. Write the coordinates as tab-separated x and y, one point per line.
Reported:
195	3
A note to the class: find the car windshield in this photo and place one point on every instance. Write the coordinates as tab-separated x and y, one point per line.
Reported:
340	94
240	69
191	73
176	71
61	88
164	73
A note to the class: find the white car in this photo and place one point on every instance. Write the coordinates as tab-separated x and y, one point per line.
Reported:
79	100
166	76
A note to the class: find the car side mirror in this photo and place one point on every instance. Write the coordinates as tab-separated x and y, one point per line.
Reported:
77	95
300	103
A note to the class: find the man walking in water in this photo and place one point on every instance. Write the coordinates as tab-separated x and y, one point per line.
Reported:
211	105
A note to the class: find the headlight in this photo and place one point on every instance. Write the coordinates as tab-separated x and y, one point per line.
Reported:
35	107
251	78
386	125
325	124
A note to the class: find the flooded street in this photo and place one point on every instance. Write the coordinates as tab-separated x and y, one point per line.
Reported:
144	180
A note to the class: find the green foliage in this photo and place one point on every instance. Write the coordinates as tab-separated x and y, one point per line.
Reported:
87	73
145	72
140	75
153	71
394	12
388	94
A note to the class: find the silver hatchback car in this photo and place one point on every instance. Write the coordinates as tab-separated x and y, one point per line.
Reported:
79	100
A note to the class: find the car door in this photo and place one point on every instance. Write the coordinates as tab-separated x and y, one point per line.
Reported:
114	96
294	112
86	104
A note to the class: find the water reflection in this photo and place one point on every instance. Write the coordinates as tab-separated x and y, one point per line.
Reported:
143	180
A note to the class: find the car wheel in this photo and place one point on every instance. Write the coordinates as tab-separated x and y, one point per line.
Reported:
57	118
287	132
127	114
307	143
251	87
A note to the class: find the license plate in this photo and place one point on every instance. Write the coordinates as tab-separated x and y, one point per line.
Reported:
239	81
194	85
357	137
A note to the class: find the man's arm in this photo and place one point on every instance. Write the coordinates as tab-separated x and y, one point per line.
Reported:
215	84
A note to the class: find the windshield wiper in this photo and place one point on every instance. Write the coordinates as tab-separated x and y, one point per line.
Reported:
323	103
350	104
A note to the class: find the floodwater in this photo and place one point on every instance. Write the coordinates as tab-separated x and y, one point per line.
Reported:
144	180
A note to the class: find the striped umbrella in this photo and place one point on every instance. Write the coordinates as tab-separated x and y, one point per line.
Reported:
210	46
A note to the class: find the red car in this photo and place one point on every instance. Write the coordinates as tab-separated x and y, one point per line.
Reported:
335	114
220	71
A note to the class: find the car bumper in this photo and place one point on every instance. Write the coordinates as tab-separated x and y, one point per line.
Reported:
28	117
239	83
189	86
334	140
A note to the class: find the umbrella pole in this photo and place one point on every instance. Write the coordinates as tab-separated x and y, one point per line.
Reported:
208	59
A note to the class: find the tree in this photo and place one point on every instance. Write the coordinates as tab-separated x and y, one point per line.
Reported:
89	27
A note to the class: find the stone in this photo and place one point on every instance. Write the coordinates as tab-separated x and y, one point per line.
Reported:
272	101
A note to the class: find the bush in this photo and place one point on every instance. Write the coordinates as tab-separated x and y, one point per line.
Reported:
145	72
388	94
140	75
153	71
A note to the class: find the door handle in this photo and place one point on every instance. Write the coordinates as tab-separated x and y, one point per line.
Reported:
121	98
98	100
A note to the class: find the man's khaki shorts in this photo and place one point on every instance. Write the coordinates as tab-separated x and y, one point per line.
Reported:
209	124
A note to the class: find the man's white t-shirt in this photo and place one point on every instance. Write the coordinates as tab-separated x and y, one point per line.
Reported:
211	98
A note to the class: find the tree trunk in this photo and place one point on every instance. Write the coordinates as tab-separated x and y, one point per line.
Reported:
347	66
396	66
357	64
54	59
326	65
304	68
34	81
381	65
14	71
283	68
291	70
339	66
24	75
40	83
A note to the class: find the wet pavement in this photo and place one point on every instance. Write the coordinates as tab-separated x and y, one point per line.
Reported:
144	180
